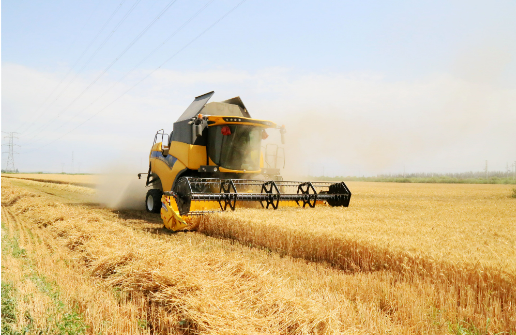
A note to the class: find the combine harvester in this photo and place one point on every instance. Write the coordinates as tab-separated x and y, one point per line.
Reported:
214	160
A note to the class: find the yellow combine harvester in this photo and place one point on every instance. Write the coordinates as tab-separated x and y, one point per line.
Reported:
214	159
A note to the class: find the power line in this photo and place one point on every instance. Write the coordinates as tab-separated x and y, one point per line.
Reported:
109	36
84	66
109	66
70	70
148	75
139	63
83	26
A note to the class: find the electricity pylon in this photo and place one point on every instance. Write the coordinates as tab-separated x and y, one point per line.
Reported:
10	151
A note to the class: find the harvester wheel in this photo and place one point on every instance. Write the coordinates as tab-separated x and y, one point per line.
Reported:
153	200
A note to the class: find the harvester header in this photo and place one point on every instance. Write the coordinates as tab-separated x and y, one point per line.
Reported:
216	159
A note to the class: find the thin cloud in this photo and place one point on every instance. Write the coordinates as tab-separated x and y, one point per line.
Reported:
349	123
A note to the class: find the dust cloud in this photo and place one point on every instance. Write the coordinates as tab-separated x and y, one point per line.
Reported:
119	188
443	123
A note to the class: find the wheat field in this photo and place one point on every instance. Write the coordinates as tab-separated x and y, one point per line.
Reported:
402	259
72	179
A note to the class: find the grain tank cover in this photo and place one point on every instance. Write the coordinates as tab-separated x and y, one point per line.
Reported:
237	101
183	127
224	109
196	106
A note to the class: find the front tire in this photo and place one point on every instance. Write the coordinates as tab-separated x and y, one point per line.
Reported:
153	200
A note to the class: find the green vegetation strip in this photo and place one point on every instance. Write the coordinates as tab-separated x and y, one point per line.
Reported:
64	321
424	180
8	307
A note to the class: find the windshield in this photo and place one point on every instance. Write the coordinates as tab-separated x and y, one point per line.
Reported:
235	147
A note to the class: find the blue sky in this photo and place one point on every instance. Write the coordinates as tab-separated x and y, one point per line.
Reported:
401	39
425	86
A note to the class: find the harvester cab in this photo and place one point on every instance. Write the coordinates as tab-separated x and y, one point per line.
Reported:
214	159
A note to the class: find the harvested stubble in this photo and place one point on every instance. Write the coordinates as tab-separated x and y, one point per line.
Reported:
459	238
179	287
41	310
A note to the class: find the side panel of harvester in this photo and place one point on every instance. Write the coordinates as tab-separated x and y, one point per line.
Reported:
179	157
